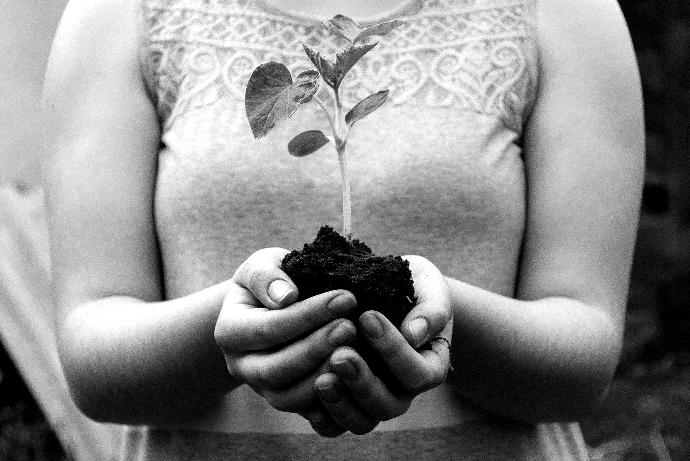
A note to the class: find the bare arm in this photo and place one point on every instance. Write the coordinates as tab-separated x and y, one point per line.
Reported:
551	353
127	355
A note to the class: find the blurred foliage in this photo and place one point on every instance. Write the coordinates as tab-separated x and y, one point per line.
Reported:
660	32
659	305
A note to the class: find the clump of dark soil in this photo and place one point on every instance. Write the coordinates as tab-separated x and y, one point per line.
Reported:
381	283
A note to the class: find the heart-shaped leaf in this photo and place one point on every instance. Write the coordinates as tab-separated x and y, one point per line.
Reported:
272	96
307	143
349	29
323	65
347	58
380	29
365	107
343	26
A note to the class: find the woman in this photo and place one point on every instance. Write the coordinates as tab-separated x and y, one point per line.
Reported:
509	158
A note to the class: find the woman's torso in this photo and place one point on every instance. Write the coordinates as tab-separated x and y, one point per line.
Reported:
437	171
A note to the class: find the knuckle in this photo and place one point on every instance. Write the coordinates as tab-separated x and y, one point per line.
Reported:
223	338
241	272
256	280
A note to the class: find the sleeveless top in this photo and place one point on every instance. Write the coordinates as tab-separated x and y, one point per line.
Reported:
436	171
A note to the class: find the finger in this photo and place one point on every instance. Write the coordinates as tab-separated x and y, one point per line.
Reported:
262	276
432	314
242	327
366	389
323	424
341	407
277	368
297	397
416	371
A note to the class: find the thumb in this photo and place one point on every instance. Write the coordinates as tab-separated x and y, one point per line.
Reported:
262	276
432	315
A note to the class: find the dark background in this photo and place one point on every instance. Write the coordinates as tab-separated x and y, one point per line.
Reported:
647	413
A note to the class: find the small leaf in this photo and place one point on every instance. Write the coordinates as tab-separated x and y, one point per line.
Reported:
380	29
353	32
323	65
272	96
308	83
365	107
307	143
347	58
343	26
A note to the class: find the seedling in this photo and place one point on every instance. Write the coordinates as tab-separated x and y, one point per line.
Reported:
333	261
273	96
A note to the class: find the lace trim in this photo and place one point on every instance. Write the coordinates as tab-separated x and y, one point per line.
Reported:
405	9
477	55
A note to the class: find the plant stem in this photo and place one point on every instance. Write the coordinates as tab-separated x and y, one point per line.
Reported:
347	200
344	171
338	114
328	114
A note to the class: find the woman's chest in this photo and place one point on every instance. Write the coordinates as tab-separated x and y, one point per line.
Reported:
446	185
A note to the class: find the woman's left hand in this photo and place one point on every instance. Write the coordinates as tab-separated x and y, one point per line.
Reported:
355	397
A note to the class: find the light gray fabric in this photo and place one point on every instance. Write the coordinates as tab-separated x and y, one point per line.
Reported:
437	171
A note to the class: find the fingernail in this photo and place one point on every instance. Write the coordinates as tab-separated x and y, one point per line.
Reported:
341	304
371	324
329	392
346	370
279	290
419	329
341	334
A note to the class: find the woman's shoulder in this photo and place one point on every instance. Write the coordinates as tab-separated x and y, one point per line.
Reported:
99	28
593	25
586	41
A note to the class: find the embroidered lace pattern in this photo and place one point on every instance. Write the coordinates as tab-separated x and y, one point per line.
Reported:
477	55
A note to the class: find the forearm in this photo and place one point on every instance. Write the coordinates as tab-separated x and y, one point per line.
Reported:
130	361
549	359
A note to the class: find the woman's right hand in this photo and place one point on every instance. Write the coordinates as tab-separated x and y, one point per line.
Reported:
274	344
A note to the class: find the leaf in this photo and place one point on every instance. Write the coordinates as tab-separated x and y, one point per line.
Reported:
323	65
353	32
307	143
365	107
380	29
347	58
272	96
343	26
